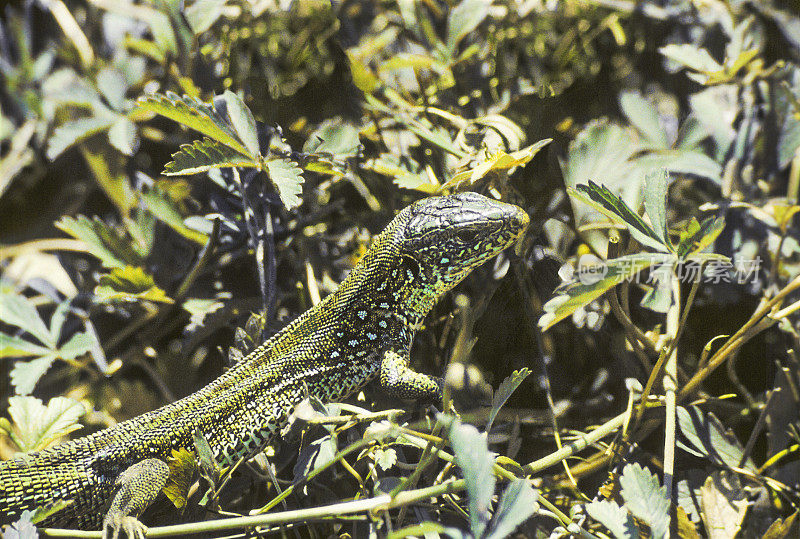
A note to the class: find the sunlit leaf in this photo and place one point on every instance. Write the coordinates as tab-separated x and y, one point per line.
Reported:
618	521
644	116
101	241
17	310
36	426
164	209
196	115
287	179
692	57
645	498
703	435
243	122
202	14
516	505
655	203
463	19
130	283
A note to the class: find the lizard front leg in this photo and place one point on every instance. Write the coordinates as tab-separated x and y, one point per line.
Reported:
138	487
399	380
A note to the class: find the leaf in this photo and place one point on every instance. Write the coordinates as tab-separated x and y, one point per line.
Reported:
12	346
499	161
182	464
243	122
17	310
703	435
655	203
316	455
164	209
287	179
618	521
111	83
335	137
202	14
585	288
645	498
195	114
724	504
74	131
200	308
385	458
507	387
517	504
473	457
784	529
25	374
37	425
692	57
101	241
698	236
122	136
463	19
77	345
644	116
130	283
203	155
613	207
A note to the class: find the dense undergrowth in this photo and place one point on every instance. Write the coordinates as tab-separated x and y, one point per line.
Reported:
642	341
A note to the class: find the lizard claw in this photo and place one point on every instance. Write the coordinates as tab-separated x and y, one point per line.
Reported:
131	527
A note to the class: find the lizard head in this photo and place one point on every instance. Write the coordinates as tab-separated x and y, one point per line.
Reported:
441	239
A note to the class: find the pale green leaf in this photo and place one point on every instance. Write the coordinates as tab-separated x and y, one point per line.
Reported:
12	346
202	14
517	504
102	241
463	19
77	345
655	203
618	521
473	457
287	179
692	57
645	498
243	122
507	387
385	458
164	209
17	310
25	374
703	435
644	116
203	155
37	425
74	131
123	137
111	83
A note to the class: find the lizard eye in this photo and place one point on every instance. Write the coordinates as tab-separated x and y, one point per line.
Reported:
467	235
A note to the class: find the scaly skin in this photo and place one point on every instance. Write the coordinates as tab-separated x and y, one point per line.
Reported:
360	332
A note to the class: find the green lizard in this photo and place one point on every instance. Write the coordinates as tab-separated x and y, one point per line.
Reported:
360	332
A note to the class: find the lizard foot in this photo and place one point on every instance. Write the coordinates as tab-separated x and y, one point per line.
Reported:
130	526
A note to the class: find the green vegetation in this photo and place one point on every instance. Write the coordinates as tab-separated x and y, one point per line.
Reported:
180	179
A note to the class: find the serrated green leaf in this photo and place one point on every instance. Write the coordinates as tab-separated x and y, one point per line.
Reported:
517	504
130	283
473	457
507	387
703	435
101	241
385	458
618	521
655	203
17	310
575	294
287	179
243	122
203	155
25	374
463	19
196	115
77	345
645	498
644	116
37	425
603	200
